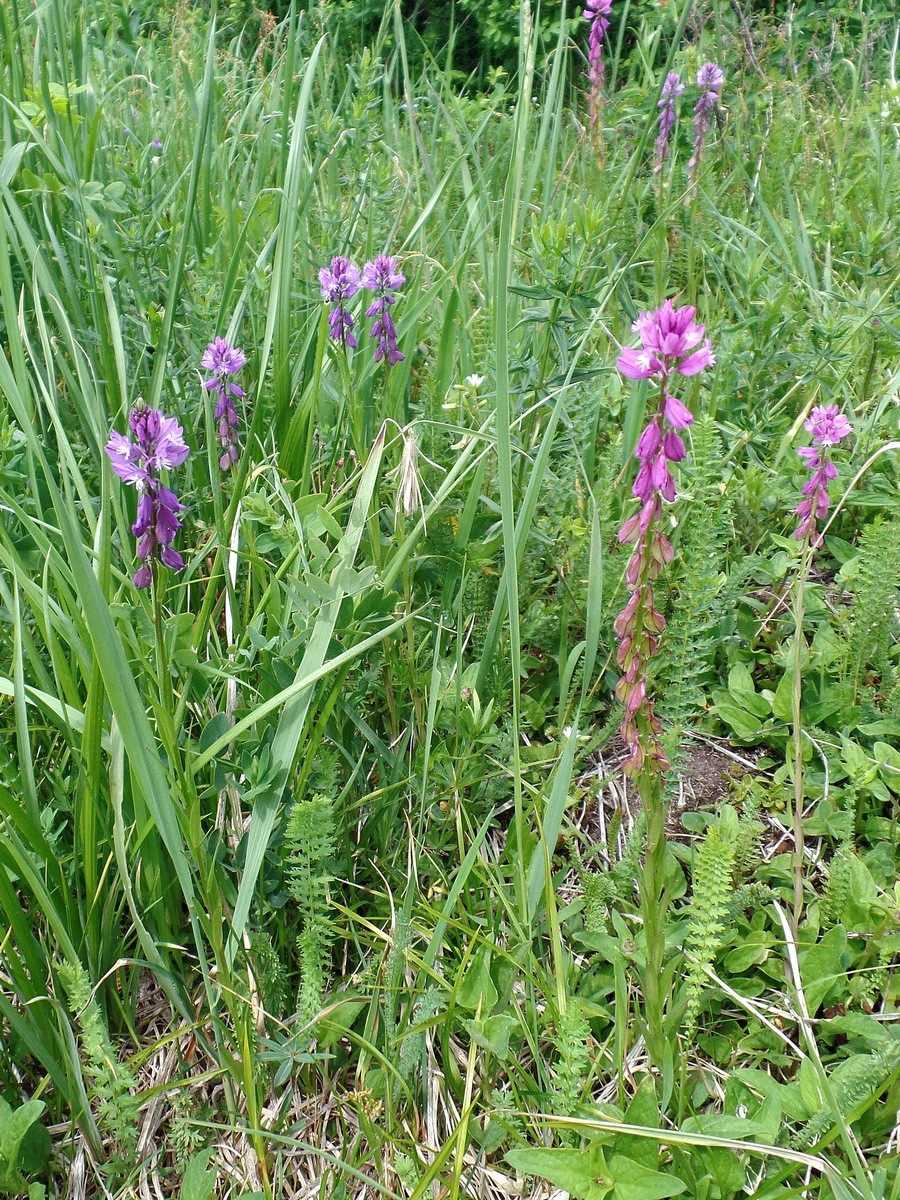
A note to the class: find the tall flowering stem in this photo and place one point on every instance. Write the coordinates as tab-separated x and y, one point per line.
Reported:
672	89
158	445
225	360
597	12
383	277
672	344
828	427
709	79
339	283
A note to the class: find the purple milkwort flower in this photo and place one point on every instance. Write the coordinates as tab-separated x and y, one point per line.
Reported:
382	275
597	12
156	144
159	446
223	359
667	334
338	283
709	79
672	344
672	88
828	426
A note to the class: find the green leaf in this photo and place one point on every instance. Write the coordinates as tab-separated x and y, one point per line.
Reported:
824	968
198	1182
633	1181
643	1110
740	687
582	1173
782	703
215	728
339	1019
477	985
36	1149
744	724
492	1033
13	1127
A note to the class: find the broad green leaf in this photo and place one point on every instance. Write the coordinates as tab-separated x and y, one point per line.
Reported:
582	1173
198	1183
14	1124
742	690
477	987
744	723
824	968
492	1033
633	1181
782	702
643	1110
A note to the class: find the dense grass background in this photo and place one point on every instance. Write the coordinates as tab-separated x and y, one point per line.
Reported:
301	879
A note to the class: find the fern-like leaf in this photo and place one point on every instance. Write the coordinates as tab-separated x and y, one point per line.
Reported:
712	893
310	839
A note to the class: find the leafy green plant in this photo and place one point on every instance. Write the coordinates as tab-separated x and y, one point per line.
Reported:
24	1148
712	889
113	1085
310	845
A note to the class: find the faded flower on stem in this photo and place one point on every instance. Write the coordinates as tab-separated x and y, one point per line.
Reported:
672	89
710	78
597	12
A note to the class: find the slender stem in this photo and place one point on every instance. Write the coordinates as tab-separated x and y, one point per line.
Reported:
163	679
653	909
796	722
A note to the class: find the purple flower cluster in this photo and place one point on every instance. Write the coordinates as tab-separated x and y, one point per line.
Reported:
709	79
158	446
828	426
672	89
223	360
382	276
344	279
672	343
338	283
597	12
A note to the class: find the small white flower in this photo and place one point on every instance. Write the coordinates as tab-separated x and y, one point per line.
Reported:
474	381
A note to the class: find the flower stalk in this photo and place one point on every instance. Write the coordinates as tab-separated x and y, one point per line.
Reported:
597	12
672	89
383	277
339	283
225	360
672	344
710	78
828	427
158	446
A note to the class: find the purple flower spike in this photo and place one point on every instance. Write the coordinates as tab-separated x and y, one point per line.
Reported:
672	89
223	360
709	79
382	275
672	344
597	12
338	283
828	426
158	446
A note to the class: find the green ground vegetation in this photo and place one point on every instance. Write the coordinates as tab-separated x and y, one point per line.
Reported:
317	868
